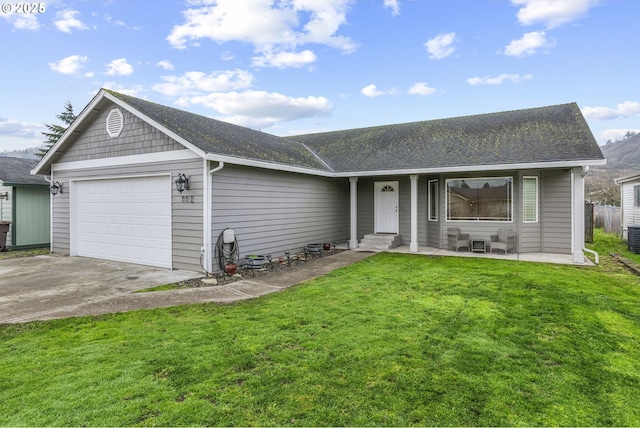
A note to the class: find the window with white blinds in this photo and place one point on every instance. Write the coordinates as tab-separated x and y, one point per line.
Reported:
530	199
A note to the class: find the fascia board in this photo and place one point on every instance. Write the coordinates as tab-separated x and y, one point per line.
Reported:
267	165
115	161
474	168
627	178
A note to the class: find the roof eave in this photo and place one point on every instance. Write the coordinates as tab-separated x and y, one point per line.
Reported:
475	168
267	165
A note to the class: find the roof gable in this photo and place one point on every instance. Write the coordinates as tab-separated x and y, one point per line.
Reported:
221	138
539	135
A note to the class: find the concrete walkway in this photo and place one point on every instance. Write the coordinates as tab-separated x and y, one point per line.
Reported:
122	299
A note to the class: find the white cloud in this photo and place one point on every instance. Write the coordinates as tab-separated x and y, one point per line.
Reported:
271	26
615	134
421	88
394	5
69	65
529	44
625	109
198	83
372	91
22	21
66	21
441	46
12	127
498	80
119	67
552	13
258	109
285	59
165	65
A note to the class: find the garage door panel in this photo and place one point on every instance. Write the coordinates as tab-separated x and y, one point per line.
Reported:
124	219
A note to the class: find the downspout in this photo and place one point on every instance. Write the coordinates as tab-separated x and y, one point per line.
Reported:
206	249
218	168
585	171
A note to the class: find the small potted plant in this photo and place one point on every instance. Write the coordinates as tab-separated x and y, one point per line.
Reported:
230	268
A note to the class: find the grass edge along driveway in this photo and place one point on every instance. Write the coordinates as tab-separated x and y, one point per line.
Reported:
393	340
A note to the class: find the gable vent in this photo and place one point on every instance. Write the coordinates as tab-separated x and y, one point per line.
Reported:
115	122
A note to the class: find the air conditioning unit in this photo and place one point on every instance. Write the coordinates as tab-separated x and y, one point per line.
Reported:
633	239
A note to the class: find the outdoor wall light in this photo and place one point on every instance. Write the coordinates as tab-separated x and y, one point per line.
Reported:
182	183
55	188
4	195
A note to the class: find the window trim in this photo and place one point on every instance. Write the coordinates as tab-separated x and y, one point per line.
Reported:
433	190
536	200
636	196
446	201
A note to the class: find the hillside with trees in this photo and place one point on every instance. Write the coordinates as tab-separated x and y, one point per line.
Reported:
623	158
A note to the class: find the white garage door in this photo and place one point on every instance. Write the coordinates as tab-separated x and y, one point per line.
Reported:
124	219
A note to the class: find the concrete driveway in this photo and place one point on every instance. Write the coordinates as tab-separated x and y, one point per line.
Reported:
35	287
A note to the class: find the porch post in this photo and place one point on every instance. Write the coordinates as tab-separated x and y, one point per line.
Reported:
413	245
353	239
578	214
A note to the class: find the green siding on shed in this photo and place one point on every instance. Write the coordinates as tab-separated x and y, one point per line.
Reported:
31	226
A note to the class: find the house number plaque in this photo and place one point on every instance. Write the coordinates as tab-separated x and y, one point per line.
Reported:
187	199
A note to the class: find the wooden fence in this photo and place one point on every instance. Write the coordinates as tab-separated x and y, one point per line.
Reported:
608	218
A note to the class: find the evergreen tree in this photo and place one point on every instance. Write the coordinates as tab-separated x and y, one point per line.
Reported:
56	131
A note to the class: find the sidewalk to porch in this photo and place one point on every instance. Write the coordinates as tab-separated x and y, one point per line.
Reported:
566	259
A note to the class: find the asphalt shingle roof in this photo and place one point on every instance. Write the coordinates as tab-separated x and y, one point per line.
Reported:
18	171
544	134
222	138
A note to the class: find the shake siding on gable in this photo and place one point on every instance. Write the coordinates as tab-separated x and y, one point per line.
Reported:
555	212
272	212
137	138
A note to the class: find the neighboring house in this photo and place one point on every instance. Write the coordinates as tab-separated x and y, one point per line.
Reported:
630	201
25	202
118	163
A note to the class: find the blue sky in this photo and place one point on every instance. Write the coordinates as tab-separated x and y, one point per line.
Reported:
297	66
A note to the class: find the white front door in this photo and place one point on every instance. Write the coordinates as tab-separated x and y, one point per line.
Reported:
386	206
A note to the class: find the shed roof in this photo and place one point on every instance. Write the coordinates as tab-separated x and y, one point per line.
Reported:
17	171
537	135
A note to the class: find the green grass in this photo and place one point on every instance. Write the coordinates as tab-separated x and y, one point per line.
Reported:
164	287
394	340
13	254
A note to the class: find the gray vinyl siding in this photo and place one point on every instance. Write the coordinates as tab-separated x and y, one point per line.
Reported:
630	213
366	206
272	212
187	217
555	211
137	137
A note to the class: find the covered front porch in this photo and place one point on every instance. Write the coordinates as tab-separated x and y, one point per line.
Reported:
543	210
565	259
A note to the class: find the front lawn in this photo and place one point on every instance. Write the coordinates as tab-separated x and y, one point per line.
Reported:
394	340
